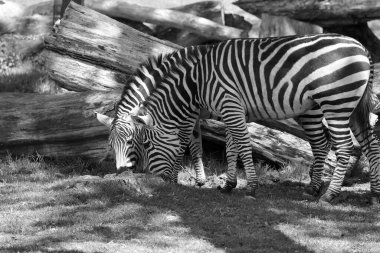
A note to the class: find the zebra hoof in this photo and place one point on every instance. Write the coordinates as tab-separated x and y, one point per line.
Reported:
310	190
228	187
326	199
201	183
375	200
251	195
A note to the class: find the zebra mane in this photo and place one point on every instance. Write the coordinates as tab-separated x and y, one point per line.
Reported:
152	64
149	65
153	61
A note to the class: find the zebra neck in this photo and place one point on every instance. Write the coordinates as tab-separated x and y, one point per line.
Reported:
153	74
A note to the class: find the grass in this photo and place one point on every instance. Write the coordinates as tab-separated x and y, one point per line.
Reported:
25	79
62	206
24	75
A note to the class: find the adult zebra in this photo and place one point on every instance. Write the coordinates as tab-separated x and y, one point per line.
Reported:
308	77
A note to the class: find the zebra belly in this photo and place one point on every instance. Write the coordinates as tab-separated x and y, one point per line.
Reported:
280	112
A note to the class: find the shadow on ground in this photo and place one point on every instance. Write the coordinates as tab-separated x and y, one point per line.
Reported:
96	216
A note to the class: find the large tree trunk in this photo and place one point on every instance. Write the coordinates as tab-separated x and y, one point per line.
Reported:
54	125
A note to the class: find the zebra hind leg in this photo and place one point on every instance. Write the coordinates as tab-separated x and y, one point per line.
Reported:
234	118
314	129
231	153
371	149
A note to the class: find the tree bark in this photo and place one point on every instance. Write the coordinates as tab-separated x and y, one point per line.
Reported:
324	13
223	14
274	26
87	35
229	15
54	125
169	18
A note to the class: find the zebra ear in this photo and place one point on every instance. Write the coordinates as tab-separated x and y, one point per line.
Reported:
146	144
147	119
104	119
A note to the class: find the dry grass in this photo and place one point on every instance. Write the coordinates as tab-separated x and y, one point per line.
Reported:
24	78
52	207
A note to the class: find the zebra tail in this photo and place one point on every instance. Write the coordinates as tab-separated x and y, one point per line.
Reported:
367	102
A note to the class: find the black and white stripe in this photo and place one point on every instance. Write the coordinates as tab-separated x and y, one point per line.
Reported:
143	148
309	77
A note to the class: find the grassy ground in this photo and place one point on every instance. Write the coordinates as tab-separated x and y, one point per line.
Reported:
64	207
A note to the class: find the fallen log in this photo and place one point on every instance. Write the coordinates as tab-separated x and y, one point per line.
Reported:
169	18
323	13
274	26
54	125
223	14
65	125
100	40
269	144
79	75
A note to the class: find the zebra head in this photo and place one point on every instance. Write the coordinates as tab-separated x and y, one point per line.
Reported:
141	147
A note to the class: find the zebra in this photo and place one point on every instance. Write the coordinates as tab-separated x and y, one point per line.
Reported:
148	73
155	148
308	77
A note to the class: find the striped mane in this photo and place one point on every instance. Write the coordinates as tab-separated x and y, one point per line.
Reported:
157	68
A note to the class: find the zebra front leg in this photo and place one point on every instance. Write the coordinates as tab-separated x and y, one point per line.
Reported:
185	133
231	153
196	151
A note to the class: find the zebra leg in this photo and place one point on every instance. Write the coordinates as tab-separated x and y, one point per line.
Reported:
315	131
196	152
231	154
234	118
342	141
370	148
185	133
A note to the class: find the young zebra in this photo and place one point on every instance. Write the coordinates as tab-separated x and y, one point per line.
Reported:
147	75
308	77
155	148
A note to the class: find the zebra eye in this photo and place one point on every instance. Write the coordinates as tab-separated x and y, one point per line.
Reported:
129	142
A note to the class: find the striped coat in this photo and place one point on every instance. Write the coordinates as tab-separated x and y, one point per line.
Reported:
308	77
